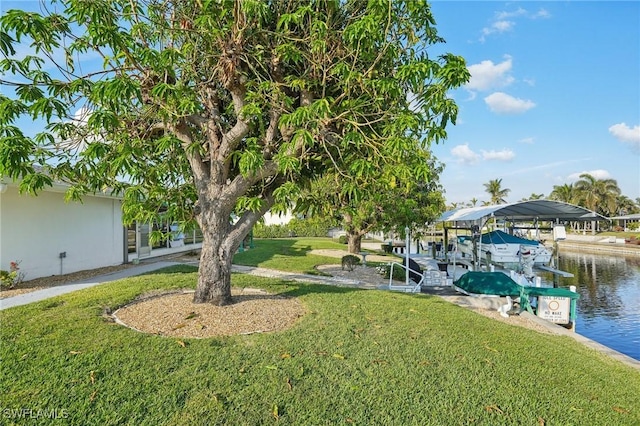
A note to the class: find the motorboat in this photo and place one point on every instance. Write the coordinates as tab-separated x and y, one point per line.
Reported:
504	249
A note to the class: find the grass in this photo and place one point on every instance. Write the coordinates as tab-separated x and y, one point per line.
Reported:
289	254
357	357
292	254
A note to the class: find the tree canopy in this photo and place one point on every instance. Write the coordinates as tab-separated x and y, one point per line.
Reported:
599	195
201	109
386	202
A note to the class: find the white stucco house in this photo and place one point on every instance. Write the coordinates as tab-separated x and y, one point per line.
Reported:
277	219
49	236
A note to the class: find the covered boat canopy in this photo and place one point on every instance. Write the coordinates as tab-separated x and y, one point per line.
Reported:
627	217
541	210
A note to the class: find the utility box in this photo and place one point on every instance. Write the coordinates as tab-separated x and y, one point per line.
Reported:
559	233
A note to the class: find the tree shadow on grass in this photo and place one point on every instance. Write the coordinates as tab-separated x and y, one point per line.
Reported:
174	269
303	289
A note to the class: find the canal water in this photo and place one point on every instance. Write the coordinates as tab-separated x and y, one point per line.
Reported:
608	310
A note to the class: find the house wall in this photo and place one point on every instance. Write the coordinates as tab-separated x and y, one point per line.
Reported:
36	229
277	219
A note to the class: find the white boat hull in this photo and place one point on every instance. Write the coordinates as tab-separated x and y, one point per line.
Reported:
507	253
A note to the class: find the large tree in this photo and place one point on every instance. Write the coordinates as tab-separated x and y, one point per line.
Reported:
599	195
495	190
200	110
405	193
626	205
566	193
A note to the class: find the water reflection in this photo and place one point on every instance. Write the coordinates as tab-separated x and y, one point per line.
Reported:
608	308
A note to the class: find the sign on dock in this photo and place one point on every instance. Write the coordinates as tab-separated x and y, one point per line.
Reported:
554	309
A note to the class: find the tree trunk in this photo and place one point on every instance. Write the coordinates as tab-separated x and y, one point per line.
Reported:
218	248
355	242
214	274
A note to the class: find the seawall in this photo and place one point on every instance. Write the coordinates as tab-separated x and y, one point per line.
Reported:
599	244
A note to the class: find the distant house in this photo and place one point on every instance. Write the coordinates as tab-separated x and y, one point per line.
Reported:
277	219
630	222
49	236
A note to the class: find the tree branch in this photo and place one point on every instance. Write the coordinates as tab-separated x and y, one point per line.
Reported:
200	172
232	138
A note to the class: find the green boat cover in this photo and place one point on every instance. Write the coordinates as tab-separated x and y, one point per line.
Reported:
494	283
499	284
555	292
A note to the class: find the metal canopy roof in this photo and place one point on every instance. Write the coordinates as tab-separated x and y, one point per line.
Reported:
627	217
547	210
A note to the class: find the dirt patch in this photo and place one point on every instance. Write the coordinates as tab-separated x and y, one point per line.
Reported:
175	315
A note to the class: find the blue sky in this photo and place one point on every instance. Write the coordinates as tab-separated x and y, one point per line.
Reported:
554	92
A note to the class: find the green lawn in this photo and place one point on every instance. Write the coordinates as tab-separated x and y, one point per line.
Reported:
357	357
289	254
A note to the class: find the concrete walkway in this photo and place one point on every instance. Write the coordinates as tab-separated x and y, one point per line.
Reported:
38	295
46	293
307	278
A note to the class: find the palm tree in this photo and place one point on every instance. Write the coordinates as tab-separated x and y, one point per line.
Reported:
533	196
599	195
626	205
565	193
494	189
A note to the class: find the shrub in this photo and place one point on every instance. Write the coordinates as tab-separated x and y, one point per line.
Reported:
342	239
398	272
349	262
13	277
311	227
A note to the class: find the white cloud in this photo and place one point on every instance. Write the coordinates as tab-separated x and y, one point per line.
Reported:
541	14
81	116
505	14
598	174
504	21
502	103
502	26
83	136
527	140
497	27
624	133
486	75
504	155
464	154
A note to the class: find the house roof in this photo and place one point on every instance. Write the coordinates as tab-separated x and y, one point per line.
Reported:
60	186
523	210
